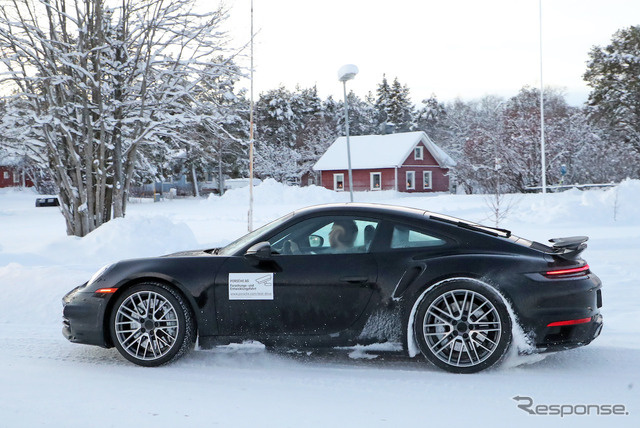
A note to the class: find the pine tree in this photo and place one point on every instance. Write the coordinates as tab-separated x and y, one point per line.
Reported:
400	109
613	72
278	117
362	116
383	101
430	116
283	118
393	105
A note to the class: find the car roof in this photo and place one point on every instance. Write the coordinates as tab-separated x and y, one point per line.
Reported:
415	213
374	208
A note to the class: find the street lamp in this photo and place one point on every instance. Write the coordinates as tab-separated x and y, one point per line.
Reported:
347	72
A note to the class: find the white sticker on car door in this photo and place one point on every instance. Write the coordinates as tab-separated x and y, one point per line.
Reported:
251	286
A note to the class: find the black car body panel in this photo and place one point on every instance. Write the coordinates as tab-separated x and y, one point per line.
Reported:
324	299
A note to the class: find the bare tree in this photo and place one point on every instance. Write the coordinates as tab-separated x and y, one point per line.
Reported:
95	83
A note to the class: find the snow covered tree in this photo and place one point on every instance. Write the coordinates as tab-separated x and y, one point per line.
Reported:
400	109
320	130
383	101
497	143
522	125
613	73
95	88
277	127
277	162
589	155
221	131
474	135
393	105
362	116
285	126
277	121
430	118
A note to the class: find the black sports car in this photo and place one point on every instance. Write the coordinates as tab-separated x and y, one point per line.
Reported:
346	274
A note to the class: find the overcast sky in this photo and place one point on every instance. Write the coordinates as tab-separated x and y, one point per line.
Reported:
464	48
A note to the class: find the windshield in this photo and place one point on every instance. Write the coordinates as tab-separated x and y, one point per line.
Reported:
238	244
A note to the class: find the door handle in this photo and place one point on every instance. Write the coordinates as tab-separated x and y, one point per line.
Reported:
354	279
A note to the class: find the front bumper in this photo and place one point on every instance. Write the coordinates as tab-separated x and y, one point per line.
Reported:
83	317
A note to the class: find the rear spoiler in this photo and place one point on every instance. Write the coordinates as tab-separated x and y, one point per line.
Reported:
569	248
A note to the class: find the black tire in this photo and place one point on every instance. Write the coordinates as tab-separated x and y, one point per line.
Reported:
151	324
462	326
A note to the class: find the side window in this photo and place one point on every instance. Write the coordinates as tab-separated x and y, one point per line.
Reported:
326	235
376	180
427	179
411	180
406	237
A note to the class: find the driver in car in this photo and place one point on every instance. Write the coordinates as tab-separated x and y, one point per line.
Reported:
343	235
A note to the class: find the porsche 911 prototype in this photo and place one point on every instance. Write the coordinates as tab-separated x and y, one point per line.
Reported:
345	274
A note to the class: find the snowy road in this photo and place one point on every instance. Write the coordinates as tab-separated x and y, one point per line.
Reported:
49	382
46	381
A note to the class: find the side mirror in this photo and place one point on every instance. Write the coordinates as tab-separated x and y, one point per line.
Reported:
260	251
316	241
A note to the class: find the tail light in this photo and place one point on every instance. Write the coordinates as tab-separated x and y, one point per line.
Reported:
569	322
562	273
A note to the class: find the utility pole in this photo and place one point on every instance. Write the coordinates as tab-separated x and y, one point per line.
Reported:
250	216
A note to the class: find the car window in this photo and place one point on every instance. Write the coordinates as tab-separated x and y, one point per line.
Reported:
326	235
241	242
407	237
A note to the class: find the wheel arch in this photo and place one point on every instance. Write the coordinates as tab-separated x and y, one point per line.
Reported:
419	293
132	282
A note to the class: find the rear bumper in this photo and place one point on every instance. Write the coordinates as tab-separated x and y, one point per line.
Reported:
570	336
82	318
561	314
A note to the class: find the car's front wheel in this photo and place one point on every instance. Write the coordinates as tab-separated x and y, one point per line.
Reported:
462	326
151	324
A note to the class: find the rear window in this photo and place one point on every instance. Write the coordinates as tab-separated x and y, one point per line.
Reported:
406	237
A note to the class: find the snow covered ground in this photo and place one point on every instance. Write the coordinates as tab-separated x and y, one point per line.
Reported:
46	381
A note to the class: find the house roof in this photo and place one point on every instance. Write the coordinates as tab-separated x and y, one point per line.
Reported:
9	161
379	151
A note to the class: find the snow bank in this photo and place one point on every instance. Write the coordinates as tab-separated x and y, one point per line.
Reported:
38	279
271	191
123	238
620	204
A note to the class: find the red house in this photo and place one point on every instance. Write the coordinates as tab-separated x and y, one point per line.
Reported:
405	162
11	175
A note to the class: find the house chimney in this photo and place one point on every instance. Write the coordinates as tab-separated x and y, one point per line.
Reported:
387	128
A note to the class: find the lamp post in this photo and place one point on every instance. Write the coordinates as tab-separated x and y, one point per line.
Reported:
543	158
347	72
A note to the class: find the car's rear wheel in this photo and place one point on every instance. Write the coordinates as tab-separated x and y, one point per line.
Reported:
151	324
462	326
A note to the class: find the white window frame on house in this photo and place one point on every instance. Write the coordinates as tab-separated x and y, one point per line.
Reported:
427	180
418	153
5	175
16	177
411	180
373	174
336	179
